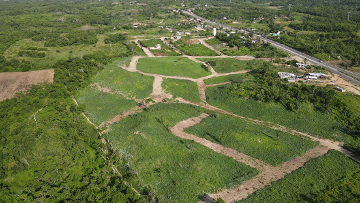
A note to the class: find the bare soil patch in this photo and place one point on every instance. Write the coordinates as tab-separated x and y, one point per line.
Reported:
160	54
192	41
13	82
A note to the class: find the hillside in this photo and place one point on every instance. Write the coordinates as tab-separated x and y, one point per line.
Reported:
135	101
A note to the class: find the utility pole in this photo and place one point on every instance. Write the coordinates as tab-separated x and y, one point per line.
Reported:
349	15
289	7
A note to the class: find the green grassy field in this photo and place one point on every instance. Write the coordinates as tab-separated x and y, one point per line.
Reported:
229	78
271	146
306	120
131	84
304	184
182	88
213	41
172	66
176	170
194	49
164	51
101	106
54	54
226	65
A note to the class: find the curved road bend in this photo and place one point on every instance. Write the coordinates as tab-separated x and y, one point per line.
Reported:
352	77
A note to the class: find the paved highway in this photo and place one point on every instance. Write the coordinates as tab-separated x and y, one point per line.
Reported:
352	77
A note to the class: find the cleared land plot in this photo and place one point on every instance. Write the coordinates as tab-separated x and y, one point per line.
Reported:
53	54
194	49
263	143
230	51
185	89
304	184
163	51
229	78
11	83
306	120
172	66
226	65
175	169
132	84
101	106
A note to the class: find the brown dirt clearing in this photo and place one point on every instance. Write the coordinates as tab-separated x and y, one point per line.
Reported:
13	82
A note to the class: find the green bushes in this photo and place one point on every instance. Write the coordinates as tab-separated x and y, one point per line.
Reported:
114	38
304	184
33	54
72	38
273	147
173	168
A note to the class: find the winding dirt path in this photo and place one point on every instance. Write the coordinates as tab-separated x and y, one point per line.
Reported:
178	130
218	84
171	46
117	118
267	175
146	50
158	94
202	41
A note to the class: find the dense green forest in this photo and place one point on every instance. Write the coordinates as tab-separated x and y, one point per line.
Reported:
49	151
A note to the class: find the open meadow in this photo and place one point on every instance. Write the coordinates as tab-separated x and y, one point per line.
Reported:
54	54
226	65
134	85
172	66
102	106
182	88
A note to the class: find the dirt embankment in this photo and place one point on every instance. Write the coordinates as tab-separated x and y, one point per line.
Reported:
13	82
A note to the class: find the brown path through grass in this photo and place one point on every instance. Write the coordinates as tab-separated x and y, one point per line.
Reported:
268	173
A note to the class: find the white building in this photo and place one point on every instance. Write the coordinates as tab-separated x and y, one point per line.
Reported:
214	32
290	76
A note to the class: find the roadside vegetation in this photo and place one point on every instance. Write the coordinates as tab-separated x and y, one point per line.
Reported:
172	66
171	167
